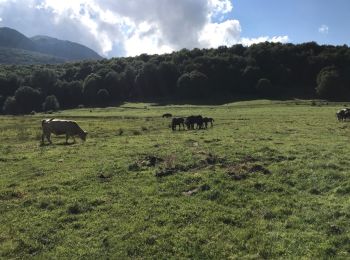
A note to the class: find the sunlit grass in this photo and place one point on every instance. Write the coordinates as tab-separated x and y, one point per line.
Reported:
269	180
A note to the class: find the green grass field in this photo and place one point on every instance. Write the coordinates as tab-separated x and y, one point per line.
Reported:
269	180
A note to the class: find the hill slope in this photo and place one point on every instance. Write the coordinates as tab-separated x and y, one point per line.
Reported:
65	49
10	56
43	49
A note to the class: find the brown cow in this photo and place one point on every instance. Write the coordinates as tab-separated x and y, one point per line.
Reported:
61	127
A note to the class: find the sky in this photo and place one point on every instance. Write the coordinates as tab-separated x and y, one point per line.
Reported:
116	28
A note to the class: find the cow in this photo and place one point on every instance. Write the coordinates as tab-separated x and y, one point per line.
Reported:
61	127
343	114
178	122
207	120
191	121
167	115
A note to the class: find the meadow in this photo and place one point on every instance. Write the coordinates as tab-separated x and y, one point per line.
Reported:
269	180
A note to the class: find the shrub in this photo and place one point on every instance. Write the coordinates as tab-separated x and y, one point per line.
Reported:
51	103
329	84
10	106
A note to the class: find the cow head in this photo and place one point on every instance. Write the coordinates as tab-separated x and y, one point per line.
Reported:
83	135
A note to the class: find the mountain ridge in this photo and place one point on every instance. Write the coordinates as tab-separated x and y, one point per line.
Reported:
56	50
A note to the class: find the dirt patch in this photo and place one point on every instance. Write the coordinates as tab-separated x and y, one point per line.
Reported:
148	161
190	192
165	172
207	160
242	171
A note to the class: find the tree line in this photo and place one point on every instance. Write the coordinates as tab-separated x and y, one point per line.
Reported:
264	70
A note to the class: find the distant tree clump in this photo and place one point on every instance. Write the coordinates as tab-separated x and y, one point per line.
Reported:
51	103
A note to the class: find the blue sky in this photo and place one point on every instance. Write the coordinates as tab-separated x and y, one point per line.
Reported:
299	19
131	27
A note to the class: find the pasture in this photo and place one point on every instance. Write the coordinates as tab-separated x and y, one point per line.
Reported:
269	180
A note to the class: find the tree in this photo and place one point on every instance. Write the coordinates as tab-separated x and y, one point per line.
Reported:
70	94
329	84
265	88
44	80
146	81
10	106
90	89
51	103
112	84
9	84
193	85
250	77
103	97
2	100
28	99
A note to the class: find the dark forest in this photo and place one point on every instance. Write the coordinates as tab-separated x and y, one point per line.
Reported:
265	70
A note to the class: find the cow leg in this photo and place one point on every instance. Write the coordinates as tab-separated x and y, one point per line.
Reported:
48	137
67	136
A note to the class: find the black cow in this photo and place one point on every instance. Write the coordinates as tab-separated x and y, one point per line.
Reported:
343	114
191	121
178	122
167	115
207	120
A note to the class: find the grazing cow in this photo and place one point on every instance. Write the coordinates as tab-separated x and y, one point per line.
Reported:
61	127
207	120
167	115
194	120
343	114
178	122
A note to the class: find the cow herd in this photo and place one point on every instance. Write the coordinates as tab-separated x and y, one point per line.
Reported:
71	128
191	122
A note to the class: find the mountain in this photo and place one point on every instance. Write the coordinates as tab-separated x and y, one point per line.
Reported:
40	49
10	56
10	38
64	49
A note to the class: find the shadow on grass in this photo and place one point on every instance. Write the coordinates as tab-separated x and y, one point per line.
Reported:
54	144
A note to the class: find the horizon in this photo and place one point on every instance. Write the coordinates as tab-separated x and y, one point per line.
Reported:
119	29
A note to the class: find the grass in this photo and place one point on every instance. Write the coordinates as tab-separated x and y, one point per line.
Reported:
269	180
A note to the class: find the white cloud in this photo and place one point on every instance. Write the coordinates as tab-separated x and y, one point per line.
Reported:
119	27
324	29
216	34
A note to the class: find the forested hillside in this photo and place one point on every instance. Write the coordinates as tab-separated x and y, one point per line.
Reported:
265	70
